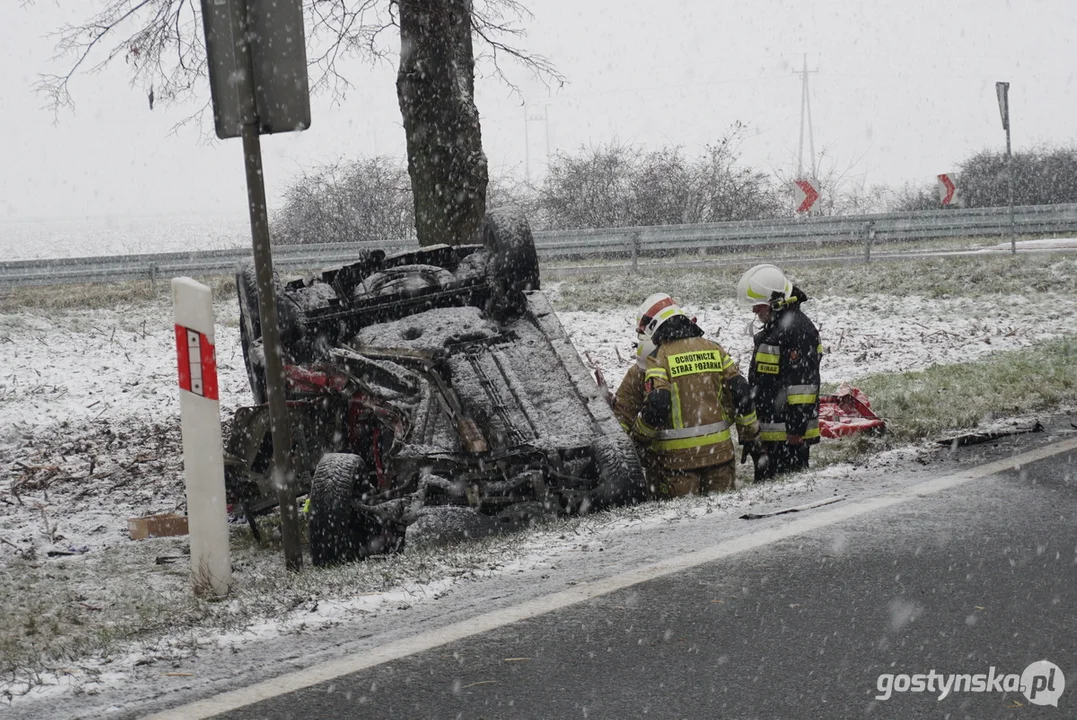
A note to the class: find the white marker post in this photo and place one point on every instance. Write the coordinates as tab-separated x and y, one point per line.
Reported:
200	421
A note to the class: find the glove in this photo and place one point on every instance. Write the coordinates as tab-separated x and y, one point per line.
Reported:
760	458
762	464
751	449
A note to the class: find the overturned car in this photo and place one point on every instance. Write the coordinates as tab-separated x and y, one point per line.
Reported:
435	378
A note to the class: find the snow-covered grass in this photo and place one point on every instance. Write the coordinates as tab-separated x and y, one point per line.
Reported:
89	437
94	296
966	276
926	402
803	250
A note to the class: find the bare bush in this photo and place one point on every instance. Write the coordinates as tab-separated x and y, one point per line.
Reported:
507	188
620	185
914	197
842	190
368	199
1041	176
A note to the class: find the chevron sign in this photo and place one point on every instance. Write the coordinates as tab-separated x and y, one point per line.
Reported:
947	190
805	192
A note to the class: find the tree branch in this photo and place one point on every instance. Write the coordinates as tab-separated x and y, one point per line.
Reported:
162	41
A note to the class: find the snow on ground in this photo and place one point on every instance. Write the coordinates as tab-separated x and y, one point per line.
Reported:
84	237
91	396
1044	244
862	336
89	436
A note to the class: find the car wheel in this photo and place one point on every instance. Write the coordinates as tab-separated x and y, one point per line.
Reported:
404	281
512	263
291	320
338	533
620	473
250	331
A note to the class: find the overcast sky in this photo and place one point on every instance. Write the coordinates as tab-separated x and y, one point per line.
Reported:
904	90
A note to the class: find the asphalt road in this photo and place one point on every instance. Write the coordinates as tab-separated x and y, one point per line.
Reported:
978	576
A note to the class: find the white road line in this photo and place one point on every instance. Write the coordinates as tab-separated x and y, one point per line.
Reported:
586	591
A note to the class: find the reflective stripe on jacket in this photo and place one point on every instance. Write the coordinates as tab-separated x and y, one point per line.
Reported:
697	373
784	375
629	398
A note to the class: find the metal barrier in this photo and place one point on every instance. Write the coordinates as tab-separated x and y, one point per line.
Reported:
625	242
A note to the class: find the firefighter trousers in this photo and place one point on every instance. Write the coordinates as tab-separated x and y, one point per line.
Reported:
784	458
698	481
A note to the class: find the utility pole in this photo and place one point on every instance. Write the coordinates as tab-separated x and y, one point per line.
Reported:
805	112
529	118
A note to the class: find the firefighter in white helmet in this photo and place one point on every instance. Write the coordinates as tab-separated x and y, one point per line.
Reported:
693	395
784	371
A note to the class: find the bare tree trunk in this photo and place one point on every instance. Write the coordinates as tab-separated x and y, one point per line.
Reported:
435	87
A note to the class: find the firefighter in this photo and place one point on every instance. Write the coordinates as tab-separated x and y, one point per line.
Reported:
784	371
627	403
693	392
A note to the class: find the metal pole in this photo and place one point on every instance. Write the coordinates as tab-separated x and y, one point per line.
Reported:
280	428
546	117
803	100
1009	175
811	128
527	150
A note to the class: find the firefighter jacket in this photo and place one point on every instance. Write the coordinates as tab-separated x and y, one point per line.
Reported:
784	374
629	398
706	395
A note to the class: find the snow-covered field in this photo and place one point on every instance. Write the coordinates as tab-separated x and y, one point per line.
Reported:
89	438
84	237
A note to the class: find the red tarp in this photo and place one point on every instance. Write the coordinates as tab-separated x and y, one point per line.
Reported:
846	412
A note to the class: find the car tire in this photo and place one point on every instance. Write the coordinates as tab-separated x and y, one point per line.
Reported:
620	473
250	331
512	262
404	281
291	320
338	533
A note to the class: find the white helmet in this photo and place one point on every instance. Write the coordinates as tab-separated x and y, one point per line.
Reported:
644	347
758	285
654	311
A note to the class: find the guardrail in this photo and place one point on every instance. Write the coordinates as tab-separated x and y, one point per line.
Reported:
627	242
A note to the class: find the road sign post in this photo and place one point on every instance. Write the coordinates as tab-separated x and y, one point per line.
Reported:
1002	90
200	423
256	56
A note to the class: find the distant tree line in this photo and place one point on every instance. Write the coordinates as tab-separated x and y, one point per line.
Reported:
619	185
1041	176
609	185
